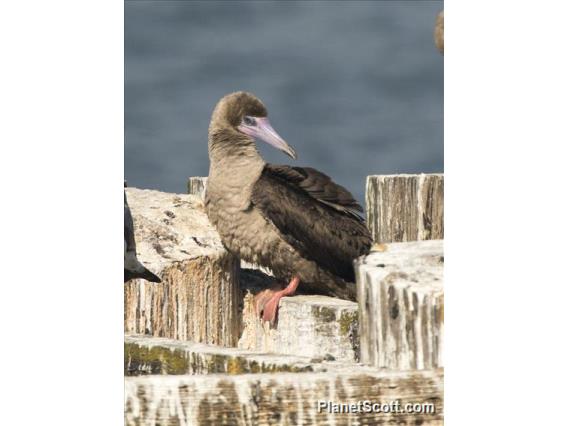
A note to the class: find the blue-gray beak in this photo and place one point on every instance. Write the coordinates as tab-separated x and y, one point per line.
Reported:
260	128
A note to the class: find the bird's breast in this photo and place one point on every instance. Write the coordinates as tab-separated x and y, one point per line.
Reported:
243	231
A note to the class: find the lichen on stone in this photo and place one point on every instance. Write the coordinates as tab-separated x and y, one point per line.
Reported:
323	314
347	322
154	360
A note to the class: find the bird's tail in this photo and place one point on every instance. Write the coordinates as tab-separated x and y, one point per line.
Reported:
149	276
133	268
141	273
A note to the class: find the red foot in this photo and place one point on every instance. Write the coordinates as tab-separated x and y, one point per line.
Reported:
267	301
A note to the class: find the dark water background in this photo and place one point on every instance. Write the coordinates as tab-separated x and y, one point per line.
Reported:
355	87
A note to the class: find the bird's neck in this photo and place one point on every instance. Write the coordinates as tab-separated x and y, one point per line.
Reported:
234	160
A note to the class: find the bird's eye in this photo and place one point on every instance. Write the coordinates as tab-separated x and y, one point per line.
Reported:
249	121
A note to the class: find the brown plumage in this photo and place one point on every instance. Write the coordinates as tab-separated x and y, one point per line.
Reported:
314	215
295	221
439	32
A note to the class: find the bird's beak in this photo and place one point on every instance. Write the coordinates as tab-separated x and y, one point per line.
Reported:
263	130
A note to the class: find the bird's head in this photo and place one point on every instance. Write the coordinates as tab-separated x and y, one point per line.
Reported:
246	118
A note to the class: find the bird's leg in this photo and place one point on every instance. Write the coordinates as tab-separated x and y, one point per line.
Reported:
267	301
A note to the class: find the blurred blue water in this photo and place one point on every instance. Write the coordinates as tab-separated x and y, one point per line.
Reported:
355	87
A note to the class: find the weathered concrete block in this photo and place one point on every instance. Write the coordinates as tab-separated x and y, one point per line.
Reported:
197	186
405	207
156	355
314	326
199	296
401	304
283	398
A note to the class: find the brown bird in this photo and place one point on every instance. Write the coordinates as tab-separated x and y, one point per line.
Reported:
439	32
294	220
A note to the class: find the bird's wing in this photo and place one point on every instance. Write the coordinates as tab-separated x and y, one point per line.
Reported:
129	242
319	186
315	215
132	266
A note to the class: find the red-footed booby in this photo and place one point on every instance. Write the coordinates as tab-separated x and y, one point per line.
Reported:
132	266
294	220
